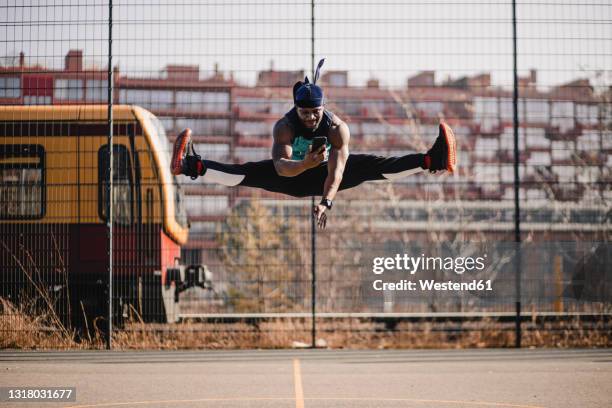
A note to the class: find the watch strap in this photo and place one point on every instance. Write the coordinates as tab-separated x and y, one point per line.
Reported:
327	203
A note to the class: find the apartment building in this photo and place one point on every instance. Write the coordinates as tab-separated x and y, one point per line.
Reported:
565	134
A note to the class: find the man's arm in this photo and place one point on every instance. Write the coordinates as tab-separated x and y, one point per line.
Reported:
281	153
338	156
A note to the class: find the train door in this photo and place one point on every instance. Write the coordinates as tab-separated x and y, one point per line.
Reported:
91	231
149	304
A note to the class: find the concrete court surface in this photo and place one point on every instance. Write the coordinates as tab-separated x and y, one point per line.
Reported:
552	378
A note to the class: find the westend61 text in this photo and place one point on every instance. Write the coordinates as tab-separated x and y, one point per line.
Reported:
428	285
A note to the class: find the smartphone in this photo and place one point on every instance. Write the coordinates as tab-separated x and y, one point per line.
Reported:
317	142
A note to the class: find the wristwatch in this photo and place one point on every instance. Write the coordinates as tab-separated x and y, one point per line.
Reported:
327	202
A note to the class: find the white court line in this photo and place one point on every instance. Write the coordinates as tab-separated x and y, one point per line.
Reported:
243	399
186	401
430	401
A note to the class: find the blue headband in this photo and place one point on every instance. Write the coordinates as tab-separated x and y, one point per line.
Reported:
309	95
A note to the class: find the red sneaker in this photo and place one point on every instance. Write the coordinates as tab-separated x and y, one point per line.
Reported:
443	153
179	151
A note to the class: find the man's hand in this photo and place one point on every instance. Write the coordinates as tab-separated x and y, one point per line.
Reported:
313	159
320	215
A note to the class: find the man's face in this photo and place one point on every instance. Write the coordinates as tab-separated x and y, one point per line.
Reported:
310	117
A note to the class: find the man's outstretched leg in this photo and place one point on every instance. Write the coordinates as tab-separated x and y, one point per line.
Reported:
364	167
261	174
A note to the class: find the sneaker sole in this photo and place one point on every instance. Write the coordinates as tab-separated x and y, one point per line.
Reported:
178	151
451	143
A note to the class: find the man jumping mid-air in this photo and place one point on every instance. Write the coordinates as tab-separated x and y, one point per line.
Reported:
298	171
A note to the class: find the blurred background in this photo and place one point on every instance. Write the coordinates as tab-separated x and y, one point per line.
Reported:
239	267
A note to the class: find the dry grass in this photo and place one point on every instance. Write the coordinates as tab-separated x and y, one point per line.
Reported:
21	330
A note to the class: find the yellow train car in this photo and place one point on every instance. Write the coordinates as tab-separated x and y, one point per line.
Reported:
53	204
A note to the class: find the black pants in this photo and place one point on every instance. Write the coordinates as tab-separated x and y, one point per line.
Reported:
359	168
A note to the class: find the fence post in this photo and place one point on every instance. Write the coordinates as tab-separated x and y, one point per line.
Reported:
558	276
109	208
517	208
313	227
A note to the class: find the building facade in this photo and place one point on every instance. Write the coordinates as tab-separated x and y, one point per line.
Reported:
565	134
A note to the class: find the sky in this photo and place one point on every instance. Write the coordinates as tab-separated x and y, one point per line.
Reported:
387	40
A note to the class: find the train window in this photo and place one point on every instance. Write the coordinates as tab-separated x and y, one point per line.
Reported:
179	204
123	194
22	181
149	206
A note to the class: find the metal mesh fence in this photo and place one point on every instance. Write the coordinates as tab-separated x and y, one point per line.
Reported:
210	254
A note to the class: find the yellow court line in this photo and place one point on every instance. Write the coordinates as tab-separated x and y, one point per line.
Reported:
297	379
